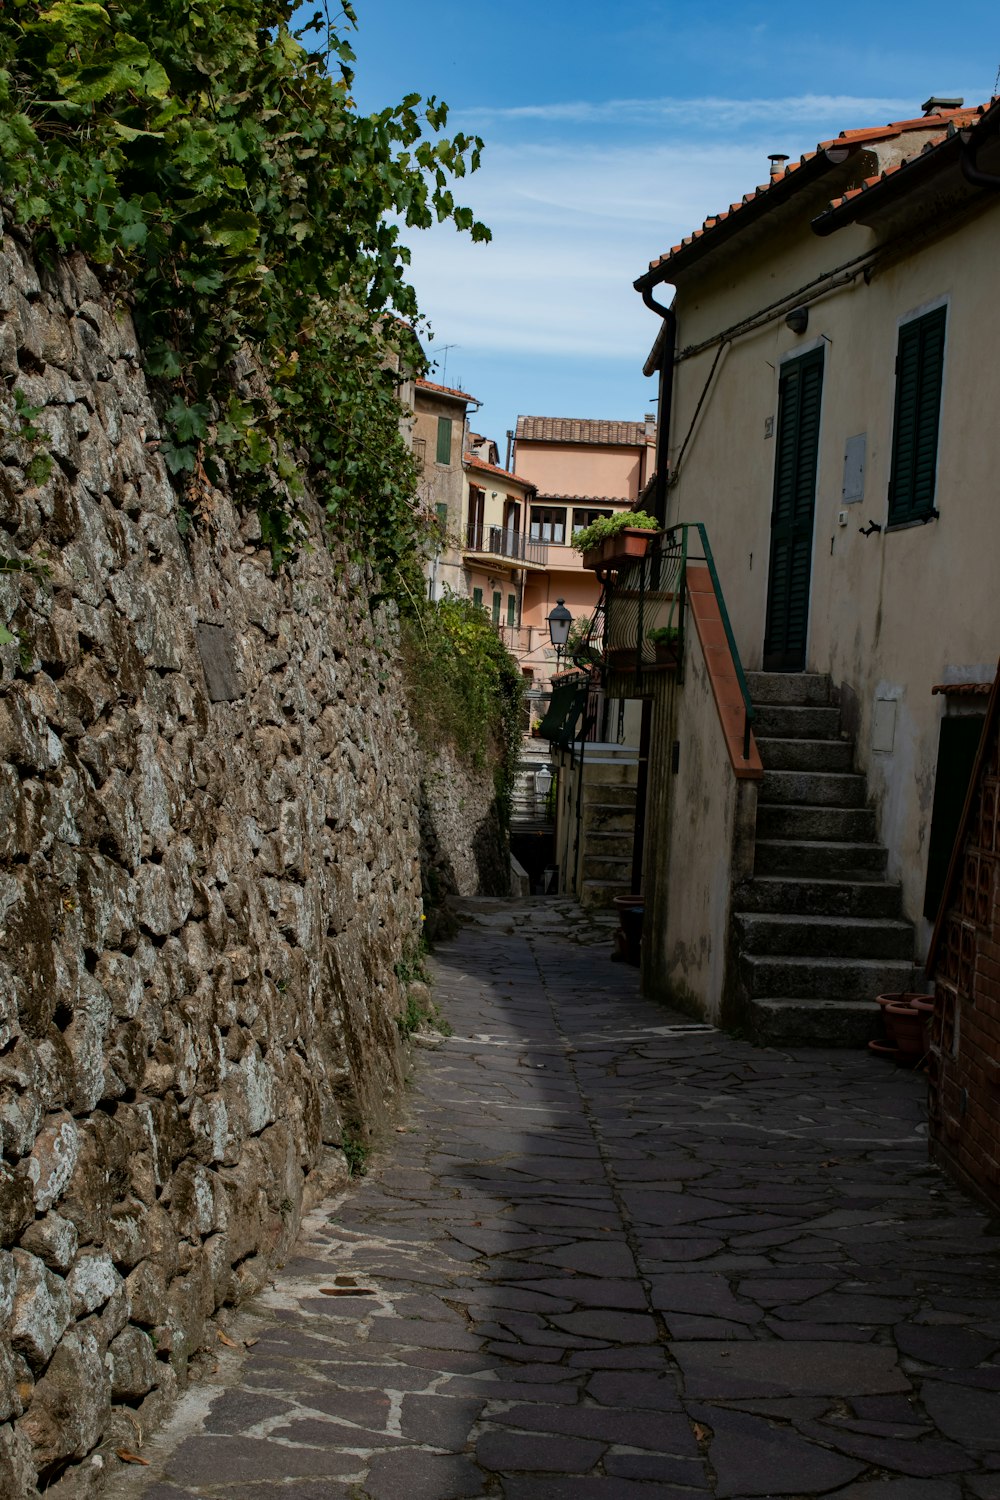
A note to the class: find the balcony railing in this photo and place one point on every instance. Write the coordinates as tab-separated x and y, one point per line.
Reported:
504	541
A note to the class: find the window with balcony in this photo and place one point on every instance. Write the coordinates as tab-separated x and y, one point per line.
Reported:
548	525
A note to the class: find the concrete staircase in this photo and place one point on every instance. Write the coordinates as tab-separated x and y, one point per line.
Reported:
818	927
608	827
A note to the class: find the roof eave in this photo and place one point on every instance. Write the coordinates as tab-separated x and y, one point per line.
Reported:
763	203
915	173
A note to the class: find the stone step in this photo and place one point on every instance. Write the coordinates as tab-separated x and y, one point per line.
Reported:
848	859
610	773
811	1023
601	893
782	721
789	687
608	818
857	979
814	788
605	867
805	935
841	824
818	897
621	794
806	755
614	844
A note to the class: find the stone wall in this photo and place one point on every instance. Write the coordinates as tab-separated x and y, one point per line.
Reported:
209	872
463	851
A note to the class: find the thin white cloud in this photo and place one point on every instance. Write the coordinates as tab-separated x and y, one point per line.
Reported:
709	113
571	232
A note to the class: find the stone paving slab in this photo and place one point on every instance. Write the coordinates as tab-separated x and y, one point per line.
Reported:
613	1252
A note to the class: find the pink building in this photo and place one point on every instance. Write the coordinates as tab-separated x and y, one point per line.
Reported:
580	470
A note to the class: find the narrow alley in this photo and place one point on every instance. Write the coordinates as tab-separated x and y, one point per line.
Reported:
611	1251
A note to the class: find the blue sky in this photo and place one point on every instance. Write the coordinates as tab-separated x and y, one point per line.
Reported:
611	131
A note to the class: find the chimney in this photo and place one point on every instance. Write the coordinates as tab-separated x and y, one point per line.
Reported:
937	105
651	424
777	160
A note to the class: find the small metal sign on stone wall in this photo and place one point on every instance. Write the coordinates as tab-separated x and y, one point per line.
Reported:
217	647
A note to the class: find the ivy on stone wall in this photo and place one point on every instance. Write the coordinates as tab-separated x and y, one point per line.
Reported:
213	160
463	685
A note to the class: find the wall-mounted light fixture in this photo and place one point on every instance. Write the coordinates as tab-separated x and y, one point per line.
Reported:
798	319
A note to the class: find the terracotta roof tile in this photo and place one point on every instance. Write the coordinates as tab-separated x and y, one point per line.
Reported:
581	430
473	462
447	390
953	119
957	120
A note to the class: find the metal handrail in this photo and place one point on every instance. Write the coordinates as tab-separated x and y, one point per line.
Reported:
748	712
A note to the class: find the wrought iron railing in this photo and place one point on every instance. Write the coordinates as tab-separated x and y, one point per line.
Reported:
504	541
649	594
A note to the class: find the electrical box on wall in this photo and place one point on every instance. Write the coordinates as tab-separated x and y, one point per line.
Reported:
854	469
884	726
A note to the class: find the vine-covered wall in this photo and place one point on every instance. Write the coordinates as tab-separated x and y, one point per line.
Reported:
209	884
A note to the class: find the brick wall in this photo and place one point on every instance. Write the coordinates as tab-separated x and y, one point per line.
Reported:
965	963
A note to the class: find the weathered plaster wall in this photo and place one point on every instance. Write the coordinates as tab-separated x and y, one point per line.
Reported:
699	833
209	870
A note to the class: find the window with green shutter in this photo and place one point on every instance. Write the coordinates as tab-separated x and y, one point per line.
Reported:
497	601
444	440
511	608
919	372
441	510
800	393
477	597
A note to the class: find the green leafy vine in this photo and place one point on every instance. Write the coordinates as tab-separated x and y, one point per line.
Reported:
214	162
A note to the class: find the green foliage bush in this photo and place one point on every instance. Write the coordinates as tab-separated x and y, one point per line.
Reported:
464	686
605	526
215	164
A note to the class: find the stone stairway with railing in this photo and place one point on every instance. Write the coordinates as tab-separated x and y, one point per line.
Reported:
608	826
818	926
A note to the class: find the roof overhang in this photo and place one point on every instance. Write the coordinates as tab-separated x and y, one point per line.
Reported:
721	230
931	183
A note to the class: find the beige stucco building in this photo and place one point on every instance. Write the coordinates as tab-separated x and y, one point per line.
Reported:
828	379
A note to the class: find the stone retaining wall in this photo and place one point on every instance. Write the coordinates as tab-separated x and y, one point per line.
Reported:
209	872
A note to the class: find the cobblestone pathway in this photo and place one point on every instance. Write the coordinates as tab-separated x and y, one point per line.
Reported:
615	1254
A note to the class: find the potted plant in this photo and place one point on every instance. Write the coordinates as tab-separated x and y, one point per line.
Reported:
613	539
666	641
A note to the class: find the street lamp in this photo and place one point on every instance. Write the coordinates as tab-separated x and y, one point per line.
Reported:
559	622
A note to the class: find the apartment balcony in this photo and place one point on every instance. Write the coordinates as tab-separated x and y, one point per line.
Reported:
493	543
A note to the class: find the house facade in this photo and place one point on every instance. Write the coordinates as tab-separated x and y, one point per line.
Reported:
439	426
580	469
828	420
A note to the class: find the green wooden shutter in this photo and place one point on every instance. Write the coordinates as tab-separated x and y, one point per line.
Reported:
799	401
477	597
511	608
919	371
441	510
444	440
497	601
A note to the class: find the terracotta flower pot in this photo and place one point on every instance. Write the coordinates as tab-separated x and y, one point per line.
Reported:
667	653
907	1026
629	543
